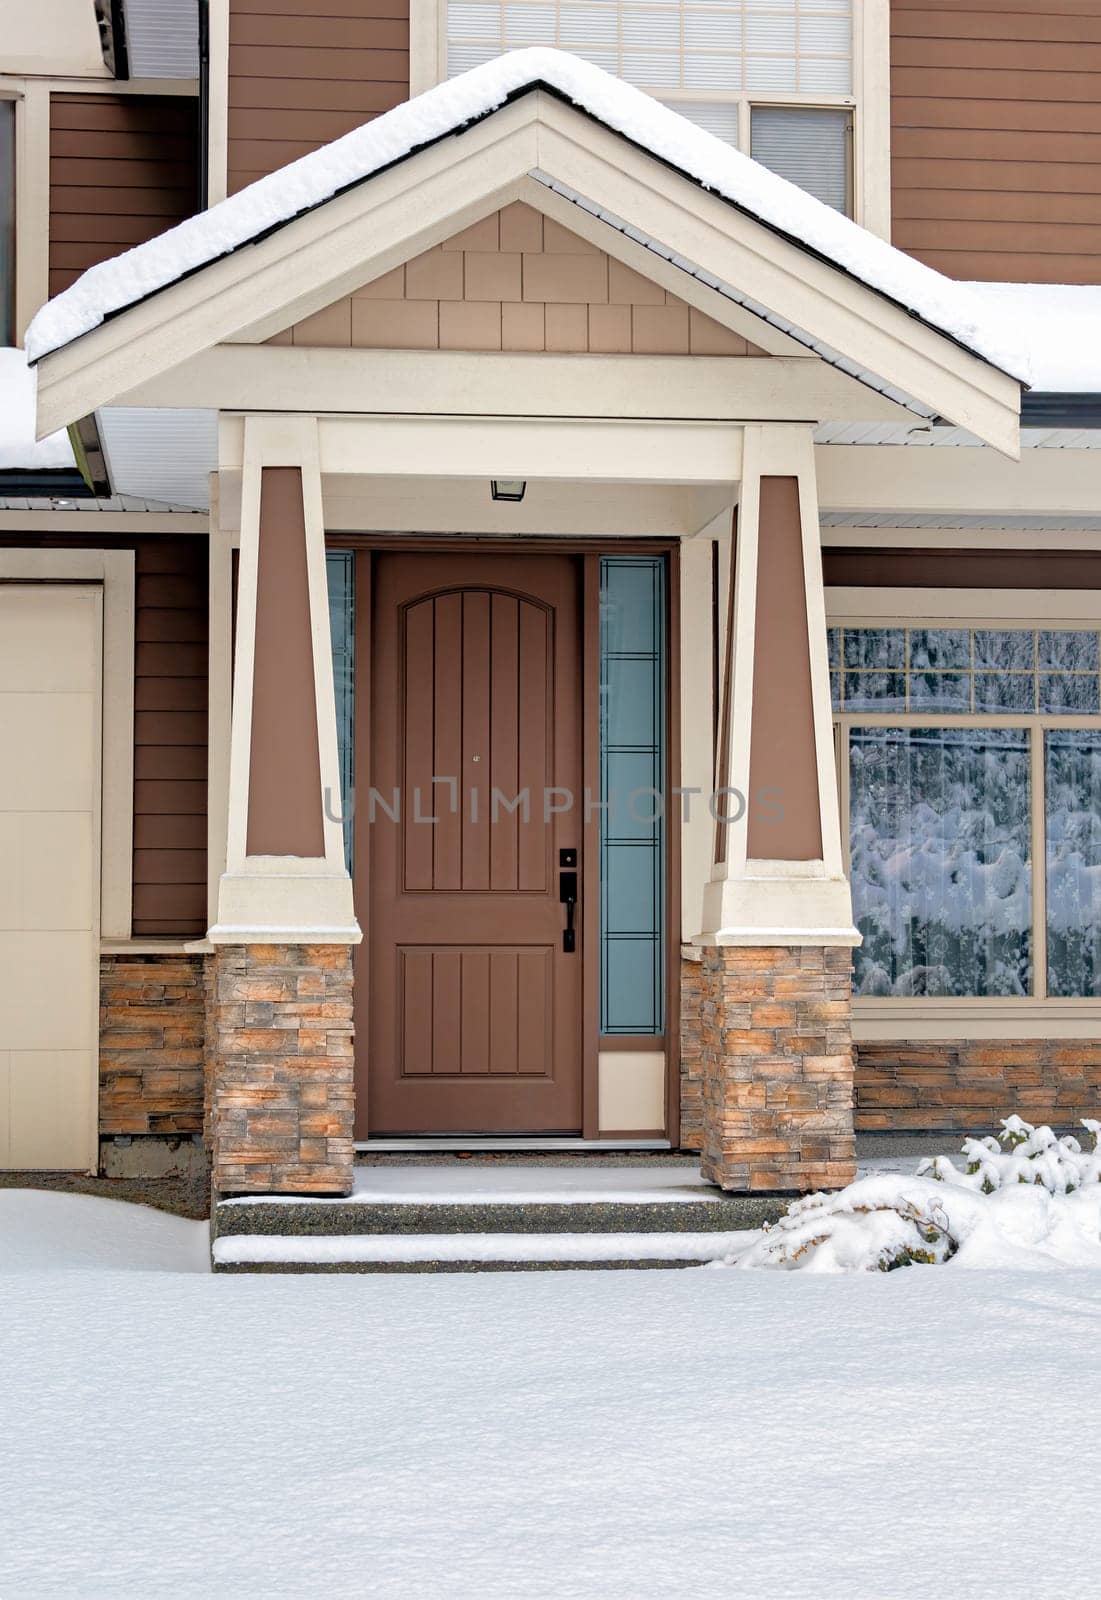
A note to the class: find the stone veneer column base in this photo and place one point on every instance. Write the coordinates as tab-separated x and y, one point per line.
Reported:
279	1062
777	1070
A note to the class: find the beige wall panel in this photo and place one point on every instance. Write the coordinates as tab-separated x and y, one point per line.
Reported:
49	742
47	865
48	989
50	652
631	1094
59	871
45	621
49	1108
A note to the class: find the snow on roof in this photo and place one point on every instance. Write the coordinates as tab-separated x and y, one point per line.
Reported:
112	285
19	450
1061	324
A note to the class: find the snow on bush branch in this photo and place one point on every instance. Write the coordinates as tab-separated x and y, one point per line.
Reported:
1032	1200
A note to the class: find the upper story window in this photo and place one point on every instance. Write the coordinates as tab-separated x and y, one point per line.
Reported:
811	146
738	68
7	222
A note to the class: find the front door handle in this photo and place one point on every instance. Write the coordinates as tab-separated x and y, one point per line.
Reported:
567	893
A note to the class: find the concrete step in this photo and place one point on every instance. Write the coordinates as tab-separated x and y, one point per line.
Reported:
478	1219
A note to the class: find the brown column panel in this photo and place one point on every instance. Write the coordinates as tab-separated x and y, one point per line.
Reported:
284	805
784	821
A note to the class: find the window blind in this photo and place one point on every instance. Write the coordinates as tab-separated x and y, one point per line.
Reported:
808	146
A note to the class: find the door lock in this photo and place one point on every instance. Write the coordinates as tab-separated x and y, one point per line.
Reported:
567	894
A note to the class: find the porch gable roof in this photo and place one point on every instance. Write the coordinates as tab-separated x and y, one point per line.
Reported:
615	153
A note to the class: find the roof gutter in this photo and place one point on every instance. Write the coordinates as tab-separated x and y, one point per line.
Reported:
1056	408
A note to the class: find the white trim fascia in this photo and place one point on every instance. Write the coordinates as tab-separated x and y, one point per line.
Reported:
857	606
219	696
93	522
570	449
427	45
283	933
373	227
238	377
933	1019
114	569
697	754
872	131
836	537
813	589
861	479
780	935
217	127
12	83
32	203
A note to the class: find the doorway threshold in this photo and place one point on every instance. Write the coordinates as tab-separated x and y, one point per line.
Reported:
452	1142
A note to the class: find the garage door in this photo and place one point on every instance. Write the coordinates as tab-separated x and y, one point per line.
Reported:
50	675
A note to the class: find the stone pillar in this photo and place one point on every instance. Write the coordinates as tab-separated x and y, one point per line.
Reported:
281	1093
279	1037
775	1051
777	1067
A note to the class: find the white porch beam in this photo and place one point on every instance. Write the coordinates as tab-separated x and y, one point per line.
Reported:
515	447
281	378
902	478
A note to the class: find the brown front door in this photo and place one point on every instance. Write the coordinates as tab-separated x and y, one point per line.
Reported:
474	1004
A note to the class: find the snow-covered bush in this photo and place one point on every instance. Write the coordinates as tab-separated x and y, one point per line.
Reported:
1031	1155
1036	1203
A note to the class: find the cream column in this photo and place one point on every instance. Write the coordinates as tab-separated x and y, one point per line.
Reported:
778	875
279	990
775	1034
285	879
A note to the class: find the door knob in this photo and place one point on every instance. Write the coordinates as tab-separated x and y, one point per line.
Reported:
567	894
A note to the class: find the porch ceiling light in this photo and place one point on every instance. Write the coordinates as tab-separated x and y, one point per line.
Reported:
508	489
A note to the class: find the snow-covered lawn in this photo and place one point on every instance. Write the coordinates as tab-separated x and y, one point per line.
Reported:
704	1432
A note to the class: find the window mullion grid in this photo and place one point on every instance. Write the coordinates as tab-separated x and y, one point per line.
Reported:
1039	864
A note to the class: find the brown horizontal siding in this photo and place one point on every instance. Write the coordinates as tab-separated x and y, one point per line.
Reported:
123	168
996	137
170	727
300	77
962	569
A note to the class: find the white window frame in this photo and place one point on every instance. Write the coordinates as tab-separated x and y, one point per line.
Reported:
869	102
1036	1016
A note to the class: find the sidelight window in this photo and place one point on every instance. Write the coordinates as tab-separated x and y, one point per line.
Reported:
340	567
632	786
